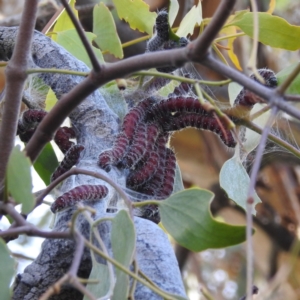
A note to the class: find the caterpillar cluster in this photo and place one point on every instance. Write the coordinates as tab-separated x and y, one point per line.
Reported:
30	120
26	127
77	194
161	39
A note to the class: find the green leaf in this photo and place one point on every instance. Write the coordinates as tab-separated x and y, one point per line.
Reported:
50	100
105	29
123	239
186	216
273	31
99	272
136	13
294	88
46	163
235	181
191	19
70	40
7	271
18	176
64	22
173	11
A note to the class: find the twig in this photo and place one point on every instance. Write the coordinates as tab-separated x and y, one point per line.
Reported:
270	95
88	48
250	200
15	80
200	46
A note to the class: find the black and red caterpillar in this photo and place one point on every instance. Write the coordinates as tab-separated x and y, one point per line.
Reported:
30	120
77	194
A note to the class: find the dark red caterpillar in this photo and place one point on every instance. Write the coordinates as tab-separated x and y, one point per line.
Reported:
135	116
207	122
133	133
79	193
71	158
169	175
161	185
145	172
247	98
137	149
153	185
163	110
30	119
62	136
114	155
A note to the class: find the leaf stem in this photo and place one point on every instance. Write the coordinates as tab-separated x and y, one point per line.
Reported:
57	71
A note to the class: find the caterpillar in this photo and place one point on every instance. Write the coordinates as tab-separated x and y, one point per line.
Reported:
62	137
146	171
172	45
150	212
177	104
114	155
162	41
26	136
30	119
161	32
247	98
208	122
71	158
79	193
169	175
153	186
137	149
135	116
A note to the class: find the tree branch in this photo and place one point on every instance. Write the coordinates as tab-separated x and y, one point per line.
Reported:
15	80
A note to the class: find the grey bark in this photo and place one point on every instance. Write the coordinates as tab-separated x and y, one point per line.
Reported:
96	126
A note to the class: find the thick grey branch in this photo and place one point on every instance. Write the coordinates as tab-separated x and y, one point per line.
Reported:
96	125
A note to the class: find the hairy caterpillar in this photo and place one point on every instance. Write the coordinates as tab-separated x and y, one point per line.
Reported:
162	41
150	212
153	186
161	32
79	193
145	172
177	104
113	156
137	149
30	119
62	137
169	175
135	116
71	158
207	122
248	98
132	123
